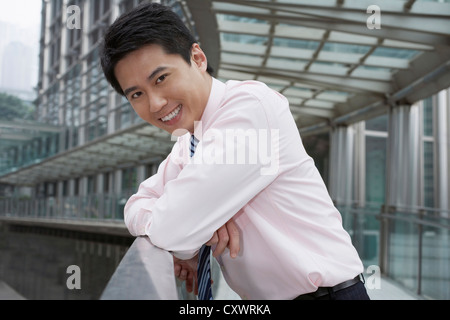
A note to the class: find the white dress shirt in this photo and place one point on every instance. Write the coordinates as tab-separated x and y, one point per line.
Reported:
250	165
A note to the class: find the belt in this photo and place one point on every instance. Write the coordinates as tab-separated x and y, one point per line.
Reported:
323	291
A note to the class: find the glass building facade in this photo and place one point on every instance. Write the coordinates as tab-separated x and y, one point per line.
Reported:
372	107
75	106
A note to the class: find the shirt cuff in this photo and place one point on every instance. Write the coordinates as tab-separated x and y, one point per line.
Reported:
184	255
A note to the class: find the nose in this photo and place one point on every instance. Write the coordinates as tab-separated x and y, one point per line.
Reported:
156	102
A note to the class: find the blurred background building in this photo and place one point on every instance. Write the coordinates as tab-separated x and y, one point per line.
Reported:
372	106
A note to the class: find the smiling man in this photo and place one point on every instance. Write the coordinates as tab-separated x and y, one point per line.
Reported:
172	94
283	236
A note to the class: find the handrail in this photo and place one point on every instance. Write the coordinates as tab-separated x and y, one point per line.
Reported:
413	217
143	266
430	224
402	208
418	221
98	206
146	272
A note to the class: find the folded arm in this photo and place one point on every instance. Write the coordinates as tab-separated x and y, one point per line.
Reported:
183	205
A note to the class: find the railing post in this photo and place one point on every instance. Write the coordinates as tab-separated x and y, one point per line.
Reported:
419	257
384	238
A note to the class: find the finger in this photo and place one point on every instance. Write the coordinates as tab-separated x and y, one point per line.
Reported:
222	233
177	269
213	240
183	274
195	284
233	234
189	282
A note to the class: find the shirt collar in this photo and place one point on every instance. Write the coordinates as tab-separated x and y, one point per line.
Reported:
216	95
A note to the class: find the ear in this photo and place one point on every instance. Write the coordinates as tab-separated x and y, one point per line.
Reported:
198	57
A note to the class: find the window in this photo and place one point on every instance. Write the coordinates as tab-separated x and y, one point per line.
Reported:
318	148
428	153
129	180
375	162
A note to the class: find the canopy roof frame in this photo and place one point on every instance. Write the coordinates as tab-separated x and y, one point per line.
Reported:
414	41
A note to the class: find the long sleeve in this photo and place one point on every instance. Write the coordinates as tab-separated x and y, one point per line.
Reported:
181	207
138	209
250	165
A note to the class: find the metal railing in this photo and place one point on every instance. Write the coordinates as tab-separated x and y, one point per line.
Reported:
95	206
410	244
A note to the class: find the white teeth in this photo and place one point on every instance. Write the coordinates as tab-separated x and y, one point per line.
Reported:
171	115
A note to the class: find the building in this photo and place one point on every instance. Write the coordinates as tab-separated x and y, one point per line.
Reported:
76	108
378	97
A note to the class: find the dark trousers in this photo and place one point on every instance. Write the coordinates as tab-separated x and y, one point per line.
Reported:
354	292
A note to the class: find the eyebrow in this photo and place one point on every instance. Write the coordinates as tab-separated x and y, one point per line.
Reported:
150	77
156	71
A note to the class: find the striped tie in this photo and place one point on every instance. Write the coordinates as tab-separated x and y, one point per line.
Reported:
203	269
194	143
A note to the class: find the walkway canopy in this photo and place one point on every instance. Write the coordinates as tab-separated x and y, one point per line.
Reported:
138	144
327	56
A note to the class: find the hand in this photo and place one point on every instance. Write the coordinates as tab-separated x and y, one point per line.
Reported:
226	237
186	270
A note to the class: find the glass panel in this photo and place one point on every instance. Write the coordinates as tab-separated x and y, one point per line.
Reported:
428	116
378	124
293	43
345	48
92	131
428	174
403	252
448	1
411	241
230	17
375	169
243	38
395	53
436	261
125	116
129	180
318	147
102	126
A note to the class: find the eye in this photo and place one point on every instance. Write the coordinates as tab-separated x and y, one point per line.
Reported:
161	78
136	95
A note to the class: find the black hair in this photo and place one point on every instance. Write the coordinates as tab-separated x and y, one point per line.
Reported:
148	23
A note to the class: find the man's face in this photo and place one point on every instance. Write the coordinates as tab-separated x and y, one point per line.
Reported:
164	89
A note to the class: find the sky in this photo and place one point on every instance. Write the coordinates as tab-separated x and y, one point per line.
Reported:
20	23
23	13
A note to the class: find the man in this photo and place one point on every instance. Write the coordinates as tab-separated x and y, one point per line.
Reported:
249	174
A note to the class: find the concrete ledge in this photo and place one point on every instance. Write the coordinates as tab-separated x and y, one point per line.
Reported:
145	273
8	293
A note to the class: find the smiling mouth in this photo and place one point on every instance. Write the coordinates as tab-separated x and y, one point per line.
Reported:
171	115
